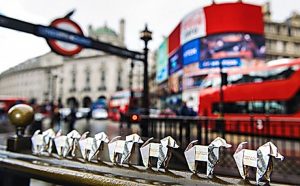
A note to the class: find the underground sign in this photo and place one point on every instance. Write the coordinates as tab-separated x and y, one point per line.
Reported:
61	47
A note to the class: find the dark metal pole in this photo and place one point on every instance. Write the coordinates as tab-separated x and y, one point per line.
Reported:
221	103
131	79
146	81
146	36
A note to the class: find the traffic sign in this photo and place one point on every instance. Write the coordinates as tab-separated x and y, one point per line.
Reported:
68	36
61	47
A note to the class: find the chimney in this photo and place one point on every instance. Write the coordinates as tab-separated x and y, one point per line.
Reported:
122	31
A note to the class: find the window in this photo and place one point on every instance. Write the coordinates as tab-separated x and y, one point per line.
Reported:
279	46
119	79
87	79
102	86
253	107
73	79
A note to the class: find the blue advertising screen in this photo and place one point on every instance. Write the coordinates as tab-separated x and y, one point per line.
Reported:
175	62
215	63
191	52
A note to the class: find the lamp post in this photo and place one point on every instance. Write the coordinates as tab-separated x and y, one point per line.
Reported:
146	36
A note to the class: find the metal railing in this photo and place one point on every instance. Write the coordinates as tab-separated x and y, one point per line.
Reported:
285	134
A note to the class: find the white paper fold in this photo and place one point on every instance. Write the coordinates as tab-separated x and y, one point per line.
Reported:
209	154
260	159
122	148
158	150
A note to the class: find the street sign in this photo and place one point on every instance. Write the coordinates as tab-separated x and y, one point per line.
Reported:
61	47
68	36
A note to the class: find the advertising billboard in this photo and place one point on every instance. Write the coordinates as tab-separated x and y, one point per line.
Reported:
174	40
193	26
175	82
175	62
162	62
191	52
231	46
234	17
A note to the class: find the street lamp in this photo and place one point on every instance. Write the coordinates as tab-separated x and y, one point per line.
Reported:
146	36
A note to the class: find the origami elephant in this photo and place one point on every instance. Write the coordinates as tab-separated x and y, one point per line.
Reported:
42	142
90	147
122	148
261	159
209	154
160	150
66	144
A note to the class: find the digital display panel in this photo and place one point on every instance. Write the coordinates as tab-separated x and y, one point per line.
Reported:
175	62
162	62
191	52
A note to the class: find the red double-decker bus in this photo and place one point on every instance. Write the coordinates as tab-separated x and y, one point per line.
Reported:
6	102
122	103
271	91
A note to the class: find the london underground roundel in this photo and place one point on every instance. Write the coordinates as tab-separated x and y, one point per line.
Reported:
61	47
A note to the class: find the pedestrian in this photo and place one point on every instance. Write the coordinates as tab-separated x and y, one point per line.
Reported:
72	119
184	110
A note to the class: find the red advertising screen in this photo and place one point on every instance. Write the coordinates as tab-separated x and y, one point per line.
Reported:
174	40
234	17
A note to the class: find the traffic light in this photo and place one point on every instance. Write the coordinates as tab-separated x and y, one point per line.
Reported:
224	78
134	118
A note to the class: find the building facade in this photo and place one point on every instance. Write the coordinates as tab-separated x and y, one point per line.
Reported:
282	38
82	78
34	78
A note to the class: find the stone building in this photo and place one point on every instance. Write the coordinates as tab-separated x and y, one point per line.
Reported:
34	78
282	38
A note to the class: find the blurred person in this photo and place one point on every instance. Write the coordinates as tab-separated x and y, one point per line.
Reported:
186	111
71	118
55	119
38	117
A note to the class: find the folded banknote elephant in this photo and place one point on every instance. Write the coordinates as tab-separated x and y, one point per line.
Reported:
260	159
122	149
209	154
162	151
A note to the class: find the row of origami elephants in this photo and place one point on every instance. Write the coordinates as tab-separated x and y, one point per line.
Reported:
120	151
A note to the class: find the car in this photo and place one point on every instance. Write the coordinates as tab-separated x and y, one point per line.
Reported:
64	112
167	113
99	113
82	112
154	112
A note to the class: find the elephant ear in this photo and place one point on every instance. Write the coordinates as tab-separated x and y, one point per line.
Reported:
169	141
101	136
74	134
219	142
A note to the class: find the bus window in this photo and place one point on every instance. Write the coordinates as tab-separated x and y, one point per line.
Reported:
275	107
234	79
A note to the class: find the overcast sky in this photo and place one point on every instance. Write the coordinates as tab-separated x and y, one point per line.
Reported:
161	15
